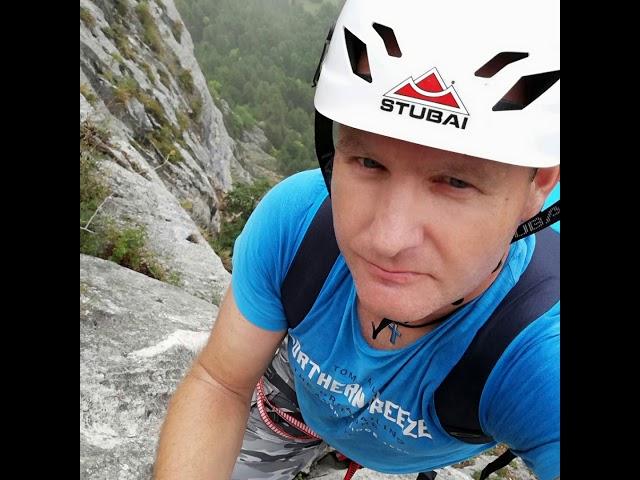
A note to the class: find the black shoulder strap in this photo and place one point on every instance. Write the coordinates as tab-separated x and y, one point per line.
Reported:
310	267
457	399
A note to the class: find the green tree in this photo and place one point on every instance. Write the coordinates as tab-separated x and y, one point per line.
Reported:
260	56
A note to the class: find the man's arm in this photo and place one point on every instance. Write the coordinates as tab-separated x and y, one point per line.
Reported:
202	433
520	405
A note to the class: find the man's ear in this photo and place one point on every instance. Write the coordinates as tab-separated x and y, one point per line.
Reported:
541	185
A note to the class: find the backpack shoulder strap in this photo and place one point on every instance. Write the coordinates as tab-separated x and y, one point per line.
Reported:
310	267
457	399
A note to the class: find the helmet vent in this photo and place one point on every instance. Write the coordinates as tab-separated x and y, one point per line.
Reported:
389	39
498	62
356	49
526	90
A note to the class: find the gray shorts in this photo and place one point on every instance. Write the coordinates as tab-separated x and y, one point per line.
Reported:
266	455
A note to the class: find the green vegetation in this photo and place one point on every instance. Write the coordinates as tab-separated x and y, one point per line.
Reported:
164	77
87	18
183	120
165	134
176	29
88	94
93	191
122	7
125	89
100	236
149	72
260	57
150	29
236	208
117	57
185	80
118	35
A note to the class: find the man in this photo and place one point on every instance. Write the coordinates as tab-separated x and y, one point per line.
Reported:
447	141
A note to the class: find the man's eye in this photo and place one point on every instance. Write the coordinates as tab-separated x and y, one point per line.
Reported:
368	163
457	183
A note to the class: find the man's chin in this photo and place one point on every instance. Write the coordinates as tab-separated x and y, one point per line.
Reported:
396	306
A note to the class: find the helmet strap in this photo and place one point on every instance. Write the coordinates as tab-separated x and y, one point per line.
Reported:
325	149
545	218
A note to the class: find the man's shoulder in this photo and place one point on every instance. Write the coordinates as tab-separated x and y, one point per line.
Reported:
287	209
298	190
265	249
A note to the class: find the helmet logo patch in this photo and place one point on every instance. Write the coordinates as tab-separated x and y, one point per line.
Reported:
428	90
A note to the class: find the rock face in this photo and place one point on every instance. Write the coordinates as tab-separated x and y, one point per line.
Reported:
140	79
172	235
138	337
169	158
251	153
252	157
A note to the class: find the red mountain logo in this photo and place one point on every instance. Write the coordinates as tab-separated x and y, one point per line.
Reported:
429	89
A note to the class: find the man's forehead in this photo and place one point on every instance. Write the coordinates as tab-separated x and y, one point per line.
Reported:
354	141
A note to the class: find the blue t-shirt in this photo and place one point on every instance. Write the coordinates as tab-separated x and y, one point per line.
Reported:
377	406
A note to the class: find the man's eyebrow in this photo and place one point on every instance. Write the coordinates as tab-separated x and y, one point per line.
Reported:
349	142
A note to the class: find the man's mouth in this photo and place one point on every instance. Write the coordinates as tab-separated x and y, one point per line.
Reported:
391	275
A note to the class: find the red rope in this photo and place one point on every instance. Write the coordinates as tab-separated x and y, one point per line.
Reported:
308	433
353	466
261	399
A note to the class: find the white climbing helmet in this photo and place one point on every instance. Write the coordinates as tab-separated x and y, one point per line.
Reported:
478	77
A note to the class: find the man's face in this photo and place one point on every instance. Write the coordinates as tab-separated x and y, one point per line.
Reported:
419	227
